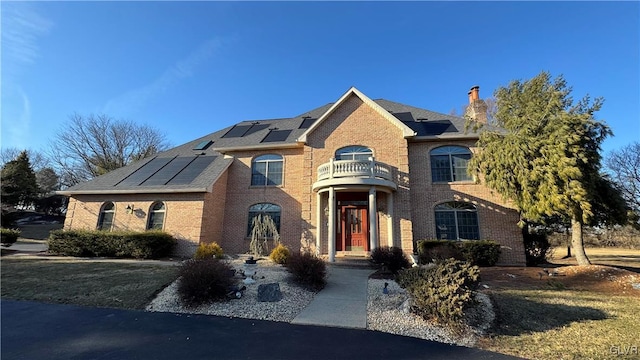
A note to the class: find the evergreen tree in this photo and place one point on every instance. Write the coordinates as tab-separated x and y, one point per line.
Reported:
19	186
544	153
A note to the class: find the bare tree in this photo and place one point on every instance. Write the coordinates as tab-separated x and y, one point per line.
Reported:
623	167
89	146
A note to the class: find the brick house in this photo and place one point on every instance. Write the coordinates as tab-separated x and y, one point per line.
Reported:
339	180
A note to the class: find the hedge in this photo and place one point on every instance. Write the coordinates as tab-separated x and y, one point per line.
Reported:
125	244
477	252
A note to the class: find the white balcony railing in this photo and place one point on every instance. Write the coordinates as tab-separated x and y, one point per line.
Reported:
354	168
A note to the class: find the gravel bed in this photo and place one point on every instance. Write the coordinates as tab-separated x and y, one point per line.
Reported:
294	298
385	312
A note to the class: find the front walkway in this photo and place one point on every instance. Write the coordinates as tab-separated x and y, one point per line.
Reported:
342	303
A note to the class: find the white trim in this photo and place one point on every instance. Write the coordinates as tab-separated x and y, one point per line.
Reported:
406	131
136	191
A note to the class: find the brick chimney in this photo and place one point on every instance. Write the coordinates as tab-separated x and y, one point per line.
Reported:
477	109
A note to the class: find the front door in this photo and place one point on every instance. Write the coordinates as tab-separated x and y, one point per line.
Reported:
354	228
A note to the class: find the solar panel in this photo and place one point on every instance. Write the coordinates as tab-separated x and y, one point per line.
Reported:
276	135
237	131
144	172
404	116
164	175
431	128
189	173
306	123
255	128
203	145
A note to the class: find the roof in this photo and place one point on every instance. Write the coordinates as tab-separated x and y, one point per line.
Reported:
196	165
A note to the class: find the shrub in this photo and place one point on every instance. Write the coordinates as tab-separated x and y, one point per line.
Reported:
477	252
280	254
481	253
8	236
203	281
307	270
128	244
437	250
208	251
442	292
536	248
391	257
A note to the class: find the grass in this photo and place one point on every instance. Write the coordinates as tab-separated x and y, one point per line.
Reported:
101	284
551	324
624	258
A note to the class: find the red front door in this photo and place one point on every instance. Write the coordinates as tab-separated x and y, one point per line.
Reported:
354	228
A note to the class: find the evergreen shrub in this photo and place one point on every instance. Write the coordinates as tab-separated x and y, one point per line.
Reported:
124	244
8	236
307	270
209	251
280	254
391	257
204	281
536	248
477	252
442	292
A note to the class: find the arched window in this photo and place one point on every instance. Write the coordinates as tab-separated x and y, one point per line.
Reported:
105	219
156	216
268	209
266	170
354	152
449	164
457	221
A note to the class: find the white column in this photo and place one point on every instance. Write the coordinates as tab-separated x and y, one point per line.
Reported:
319	222
373	218
390	227
331	232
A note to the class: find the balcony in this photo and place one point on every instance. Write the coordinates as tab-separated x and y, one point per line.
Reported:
354	172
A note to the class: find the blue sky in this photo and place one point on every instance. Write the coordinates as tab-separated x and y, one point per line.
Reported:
193	68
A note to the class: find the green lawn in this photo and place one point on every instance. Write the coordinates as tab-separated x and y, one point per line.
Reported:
81	282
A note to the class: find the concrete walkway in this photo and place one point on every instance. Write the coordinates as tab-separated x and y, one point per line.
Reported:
342	303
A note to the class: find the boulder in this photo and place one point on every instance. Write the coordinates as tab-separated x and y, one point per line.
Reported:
269	292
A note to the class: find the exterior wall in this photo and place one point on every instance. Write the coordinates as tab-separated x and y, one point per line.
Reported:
241	196
183	216
497	219
353	124
214	210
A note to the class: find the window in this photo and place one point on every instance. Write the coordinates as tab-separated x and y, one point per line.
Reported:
266	170
449	164
105	219
457	221
272	210
354	153
156	216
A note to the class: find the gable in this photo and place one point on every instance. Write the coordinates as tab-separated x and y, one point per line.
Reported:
338	105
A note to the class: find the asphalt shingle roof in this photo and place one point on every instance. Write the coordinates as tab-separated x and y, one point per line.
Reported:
197	170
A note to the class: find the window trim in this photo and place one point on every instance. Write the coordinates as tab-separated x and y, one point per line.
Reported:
257	159
101	214
455	207
151	212
450	150
338	155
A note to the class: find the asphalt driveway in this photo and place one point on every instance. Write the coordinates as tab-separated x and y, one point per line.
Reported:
32	330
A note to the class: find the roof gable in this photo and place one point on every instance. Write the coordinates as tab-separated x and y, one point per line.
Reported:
406	131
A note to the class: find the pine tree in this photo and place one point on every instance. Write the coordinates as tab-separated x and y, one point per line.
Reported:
544	154
19	186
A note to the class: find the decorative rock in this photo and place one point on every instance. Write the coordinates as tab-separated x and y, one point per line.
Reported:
269	292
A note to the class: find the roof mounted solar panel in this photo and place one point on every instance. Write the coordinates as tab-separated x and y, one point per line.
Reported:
255	128
404	116
203	145
276	135
237	131
144	172
307	122
431	128
192	171
164	175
